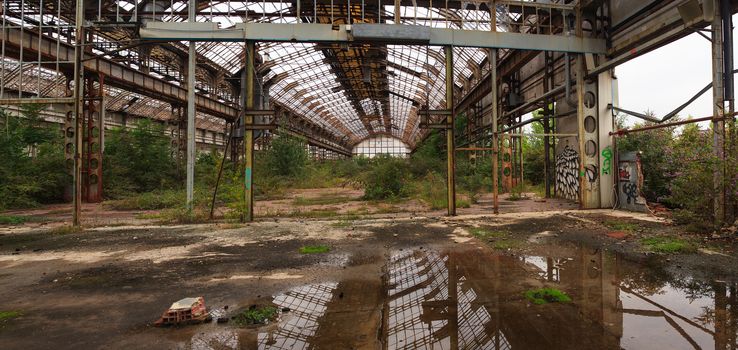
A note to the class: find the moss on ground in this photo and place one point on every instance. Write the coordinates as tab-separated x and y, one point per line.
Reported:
322	200
314	249
667	245
547	295
621	226
483	233
255	315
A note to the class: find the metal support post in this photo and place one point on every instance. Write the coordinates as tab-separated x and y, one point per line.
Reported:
718	124
79	83
580	129
248	138
191	64
495	140
732	149
450	154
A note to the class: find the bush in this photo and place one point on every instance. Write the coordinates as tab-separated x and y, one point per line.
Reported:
286	156
32	163
138	160
385	179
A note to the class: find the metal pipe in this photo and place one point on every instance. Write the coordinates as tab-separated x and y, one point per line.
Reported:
191	64
567	79
220	170
622	132
450	163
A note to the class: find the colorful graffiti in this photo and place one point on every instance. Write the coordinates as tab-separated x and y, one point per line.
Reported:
567	169
630	181
606	160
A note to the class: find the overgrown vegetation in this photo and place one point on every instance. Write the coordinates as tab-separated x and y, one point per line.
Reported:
32	166
255	315
547	295
677	168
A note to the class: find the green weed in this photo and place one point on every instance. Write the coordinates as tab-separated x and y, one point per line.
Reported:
323	200
12	220
666	245
65	230
314	249
547	295
6	316
255	315
621	226
483	233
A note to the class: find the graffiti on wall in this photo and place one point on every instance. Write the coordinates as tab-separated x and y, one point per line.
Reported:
567	169
606	160
630	181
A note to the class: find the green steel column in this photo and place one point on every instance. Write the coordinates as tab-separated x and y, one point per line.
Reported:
450	159
248	137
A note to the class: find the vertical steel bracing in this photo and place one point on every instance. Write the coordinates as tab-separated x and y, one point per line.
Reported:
450	156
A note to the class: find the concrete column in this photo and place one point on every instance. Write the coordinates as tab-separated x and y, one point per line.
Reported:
607	94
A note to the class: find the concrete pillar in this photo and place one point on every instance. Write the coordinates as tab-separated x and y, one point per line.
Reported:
248	138
606	94
718	124
450	149
191	63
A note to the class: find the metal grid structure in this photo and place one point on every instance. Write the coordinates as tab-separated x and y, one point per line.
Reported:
307	305
382	144
347	70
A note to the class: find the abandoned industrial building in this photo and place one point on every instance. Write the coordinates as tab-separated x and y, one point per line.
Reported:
368	174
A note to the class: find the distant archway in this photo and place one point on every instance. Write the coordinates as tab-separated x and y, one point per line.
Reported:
381	144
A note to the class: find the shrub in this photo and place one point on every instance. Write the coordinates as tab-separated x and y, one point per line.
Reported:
138	160
385	179
32	163
286	156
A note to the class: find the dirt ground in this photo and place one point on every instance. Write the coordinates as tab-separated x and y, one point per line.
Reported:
400	281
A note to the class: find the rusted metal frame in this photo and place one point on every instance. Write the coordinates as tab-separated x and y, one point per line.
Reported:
120	76
191	145
495	138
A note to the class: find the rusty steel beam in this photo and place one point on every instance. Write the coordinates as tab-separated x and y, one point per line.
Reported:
116	74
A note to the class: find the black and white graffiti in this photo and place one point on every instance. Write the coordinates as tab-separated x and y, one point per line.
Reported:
567	171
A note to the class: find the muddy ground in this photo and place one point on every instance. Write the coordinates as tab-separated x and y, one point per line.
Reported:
397	282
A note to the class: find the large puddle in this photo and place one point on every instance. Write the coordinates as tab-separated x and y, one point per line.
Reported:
471	299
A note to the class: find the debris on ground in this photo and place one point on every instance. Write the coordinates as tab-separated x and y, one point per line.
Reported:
184	311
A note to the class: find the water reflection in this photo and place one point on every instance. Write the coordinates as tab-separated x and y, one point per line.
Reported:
471	299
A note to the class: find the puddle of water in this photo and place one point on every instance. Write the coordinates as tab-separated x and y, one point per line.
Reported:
472	299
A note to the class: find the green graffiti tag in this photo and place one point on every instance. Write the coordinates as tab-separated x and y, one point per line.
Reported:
607	162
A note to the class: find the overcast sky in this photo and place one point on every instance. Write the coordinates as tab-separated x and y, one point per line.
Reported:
665	78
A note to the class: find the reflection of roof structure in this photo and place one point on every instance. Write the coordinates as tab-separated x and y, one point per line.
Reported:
307	305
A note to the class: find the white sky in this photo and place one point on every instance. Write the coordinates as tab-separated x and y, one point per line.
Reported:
665	78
